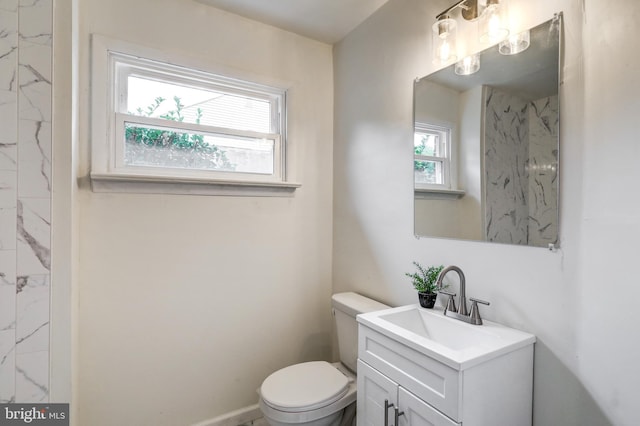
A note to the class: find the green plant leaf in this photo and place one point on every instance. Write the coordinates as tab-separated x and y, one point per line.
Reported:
424	281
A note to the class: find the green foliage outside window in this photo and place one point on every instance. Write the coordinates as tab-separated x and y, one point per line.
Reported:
169	139
428	167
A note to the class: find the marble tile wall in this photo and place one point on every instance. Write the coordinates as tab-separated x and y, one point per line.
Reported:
521	156
25	198
543	171
506	146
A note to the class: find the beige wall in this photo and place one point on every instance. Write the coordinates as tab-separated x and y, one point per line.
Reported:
187	303
581	300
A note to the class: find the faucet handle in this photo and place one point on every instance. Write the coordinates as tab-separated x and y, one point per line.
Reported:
475	312
451	304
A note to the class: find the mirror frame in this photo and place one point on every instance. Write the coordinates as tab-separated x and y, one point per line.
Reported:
456	196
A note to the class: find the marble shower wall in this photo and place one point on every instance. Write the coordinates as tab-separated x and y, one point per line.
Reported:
544	119
25	198
506	149
521	155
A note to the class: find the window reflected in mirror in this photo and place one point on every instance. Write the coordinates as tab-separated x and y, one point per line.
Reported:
431	147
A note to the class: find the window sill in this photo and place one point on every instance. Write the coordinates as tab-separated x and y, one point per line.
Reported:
442	194
136	184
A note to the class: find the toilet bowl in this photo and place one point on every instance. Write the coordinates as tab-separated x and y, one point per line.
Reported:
318	393
312	393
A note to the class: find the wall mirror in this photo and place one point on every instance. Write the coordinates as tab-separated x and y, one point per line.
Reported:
486	144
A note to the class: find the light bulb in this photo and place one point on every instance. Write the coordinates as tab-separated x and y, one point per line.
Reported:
445	51
494	25
493	22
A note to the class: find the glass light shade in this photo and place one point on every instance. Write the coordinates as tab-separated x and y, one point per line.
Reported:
493	24
515	44
444	41
469	65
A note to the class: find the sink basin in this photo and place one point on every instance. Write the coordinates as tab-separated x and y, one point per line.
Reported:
439	329
453	342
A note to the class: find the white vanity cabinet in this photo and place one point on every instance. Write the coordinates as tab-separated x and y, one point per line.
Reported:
436	391
374	389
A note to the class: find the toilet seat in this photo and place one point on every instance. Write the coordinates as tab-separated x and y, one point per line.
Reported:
304	387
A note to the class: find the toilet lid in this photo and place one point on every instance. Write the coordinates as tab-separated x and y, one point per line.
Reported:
304	387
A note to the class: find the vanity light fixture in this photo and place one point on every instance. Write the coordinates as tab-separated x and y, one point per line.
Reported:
515	44
469	65
492	16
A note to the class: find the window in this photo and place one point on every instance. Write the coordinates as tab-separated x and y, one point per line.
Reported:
175	124
432	157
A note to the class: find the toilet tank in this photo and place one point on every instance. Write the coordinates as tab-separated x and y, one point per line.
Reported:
345	308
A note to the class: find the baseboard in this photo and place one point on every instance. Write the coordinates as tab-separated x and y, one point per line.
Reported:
234	418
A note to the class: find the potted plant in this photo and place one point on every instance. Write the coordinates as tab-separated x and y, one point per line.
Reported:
425	282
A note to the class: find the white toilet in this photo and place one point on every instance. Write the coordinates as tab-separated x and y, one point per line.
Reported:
318	393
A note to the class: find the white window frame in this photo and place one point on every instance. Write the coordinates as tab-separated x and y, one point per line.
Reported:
112	62
444	134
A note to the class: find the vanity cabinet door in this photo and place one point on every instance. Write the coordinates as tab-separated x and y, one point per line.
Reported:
419	413
373	389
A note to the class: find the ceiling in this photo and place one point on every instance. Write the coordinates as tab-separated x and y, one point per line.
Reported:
324	20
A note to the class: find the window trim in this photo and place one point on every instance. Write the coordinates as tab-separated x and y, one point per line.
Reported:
446	159
439	192
107	122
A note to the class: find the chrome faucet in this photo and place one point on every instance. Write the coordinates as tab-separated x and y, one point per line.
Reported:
461	313
462	301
